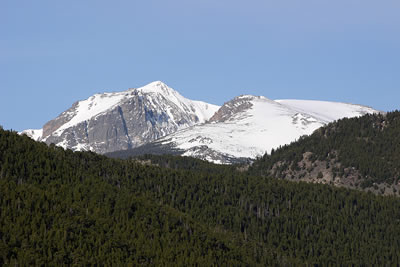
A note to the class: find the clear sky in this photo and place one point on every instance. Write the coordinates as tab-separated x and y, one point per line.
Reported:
53	53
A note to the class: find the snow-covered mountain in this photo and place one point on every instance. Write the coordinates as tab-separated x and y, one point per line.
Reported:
248	126
157	118
121	120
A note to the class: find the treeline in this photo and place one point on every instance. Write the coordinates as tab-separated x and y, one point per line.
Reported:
157	149
185	163
62	208
369	144
146	149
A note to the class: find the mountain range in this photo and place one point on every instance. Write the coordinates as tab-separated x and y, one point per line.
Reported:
157	119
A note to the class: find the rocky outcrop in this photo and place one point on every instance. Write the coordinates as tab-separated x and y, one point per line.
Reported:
233	107
63	118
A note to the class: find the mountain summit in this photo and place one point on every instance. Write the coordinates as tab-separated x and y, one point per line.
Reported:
121	120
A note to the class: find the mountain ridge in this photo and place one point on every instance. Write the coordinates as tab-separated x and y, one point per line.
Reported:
248	126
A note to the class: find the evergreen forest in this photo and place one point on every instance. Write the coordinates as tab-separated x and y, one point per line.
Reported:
59	207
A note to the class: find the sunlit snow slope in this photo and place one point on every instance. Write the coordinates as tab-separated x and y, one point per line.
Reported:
326	111
249	126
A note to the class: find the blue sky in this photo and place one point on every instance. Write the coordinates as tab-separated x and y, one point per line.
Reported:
53	53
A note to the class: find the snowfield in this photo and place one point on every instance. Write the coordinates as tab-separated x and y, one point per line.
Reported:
266	125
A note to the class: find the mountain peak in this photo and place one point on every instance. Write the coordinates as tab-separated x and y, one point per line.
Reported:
156	87
121	120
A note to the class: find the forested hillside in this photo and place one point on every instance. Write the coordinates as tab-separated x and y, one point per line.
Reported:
362	153
62	208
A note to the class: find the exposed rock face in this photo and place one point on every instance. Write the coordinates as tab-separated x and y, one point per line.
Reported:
102	134
117	121
233	107
63	118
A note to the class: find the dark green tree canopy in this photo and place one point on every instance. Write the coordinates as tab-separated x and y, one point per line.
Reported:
58	207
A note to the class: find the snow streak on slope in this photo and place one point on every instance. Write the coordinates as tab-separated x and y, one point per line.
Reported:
250	126
91	107
326	111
